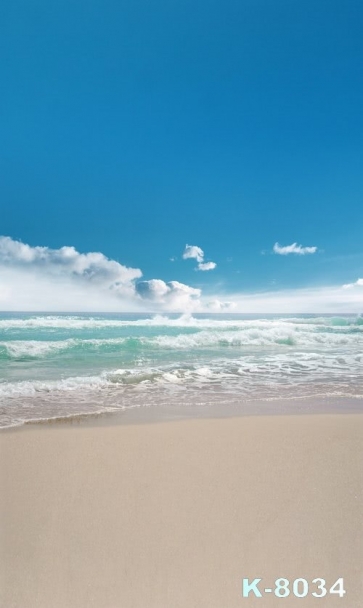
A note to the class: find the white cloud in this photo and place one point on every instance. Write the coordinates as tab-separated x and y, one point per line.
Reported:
44	279
67	262
196	253
219	306
155	289
358	283
40	278
172	295
31	290
193	252
206	266
294	248
330	299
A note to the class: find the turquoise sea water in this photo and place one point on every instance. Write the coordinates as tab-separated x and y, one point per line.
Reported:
61	365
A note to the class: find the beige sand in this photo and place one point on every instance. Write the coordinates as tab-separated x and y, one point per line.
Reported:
175	514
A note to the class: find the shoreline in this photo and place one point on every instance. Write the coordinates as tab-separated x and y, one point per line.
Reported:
299	406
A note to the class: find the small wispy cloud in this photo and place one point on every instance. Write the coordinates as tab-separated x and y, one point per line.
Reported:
328	299
358	283
293	248
220	306
206	266
194	252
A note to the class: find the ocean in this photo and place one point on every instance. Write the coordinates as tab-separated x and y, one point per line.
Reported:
65	365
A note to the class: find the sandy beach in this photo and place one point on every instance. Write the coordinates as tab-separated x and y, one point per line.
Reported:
175	514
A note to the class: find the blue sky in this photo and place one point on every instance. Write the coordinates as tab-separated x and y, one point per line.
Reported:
135	128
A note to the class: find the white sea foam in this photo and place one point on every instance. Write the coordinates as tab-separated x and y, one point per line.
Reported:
283	367
34	348
18	349
263	334
277	334
33	387
77	322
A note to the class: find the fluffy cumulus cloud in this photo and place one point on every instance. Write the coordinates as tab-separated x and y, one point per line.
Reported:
194	252
41	278
173	295
90	267
294	248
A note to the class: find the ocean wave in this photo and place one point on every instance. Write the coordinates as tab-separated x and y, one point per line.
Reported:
268	336
60	365
184	321
244	371
32	349
33	387
286	374
275	334
22	350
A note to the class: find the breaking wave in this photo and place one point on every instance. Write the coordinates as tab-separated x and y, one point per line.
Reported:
273	334
186	320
